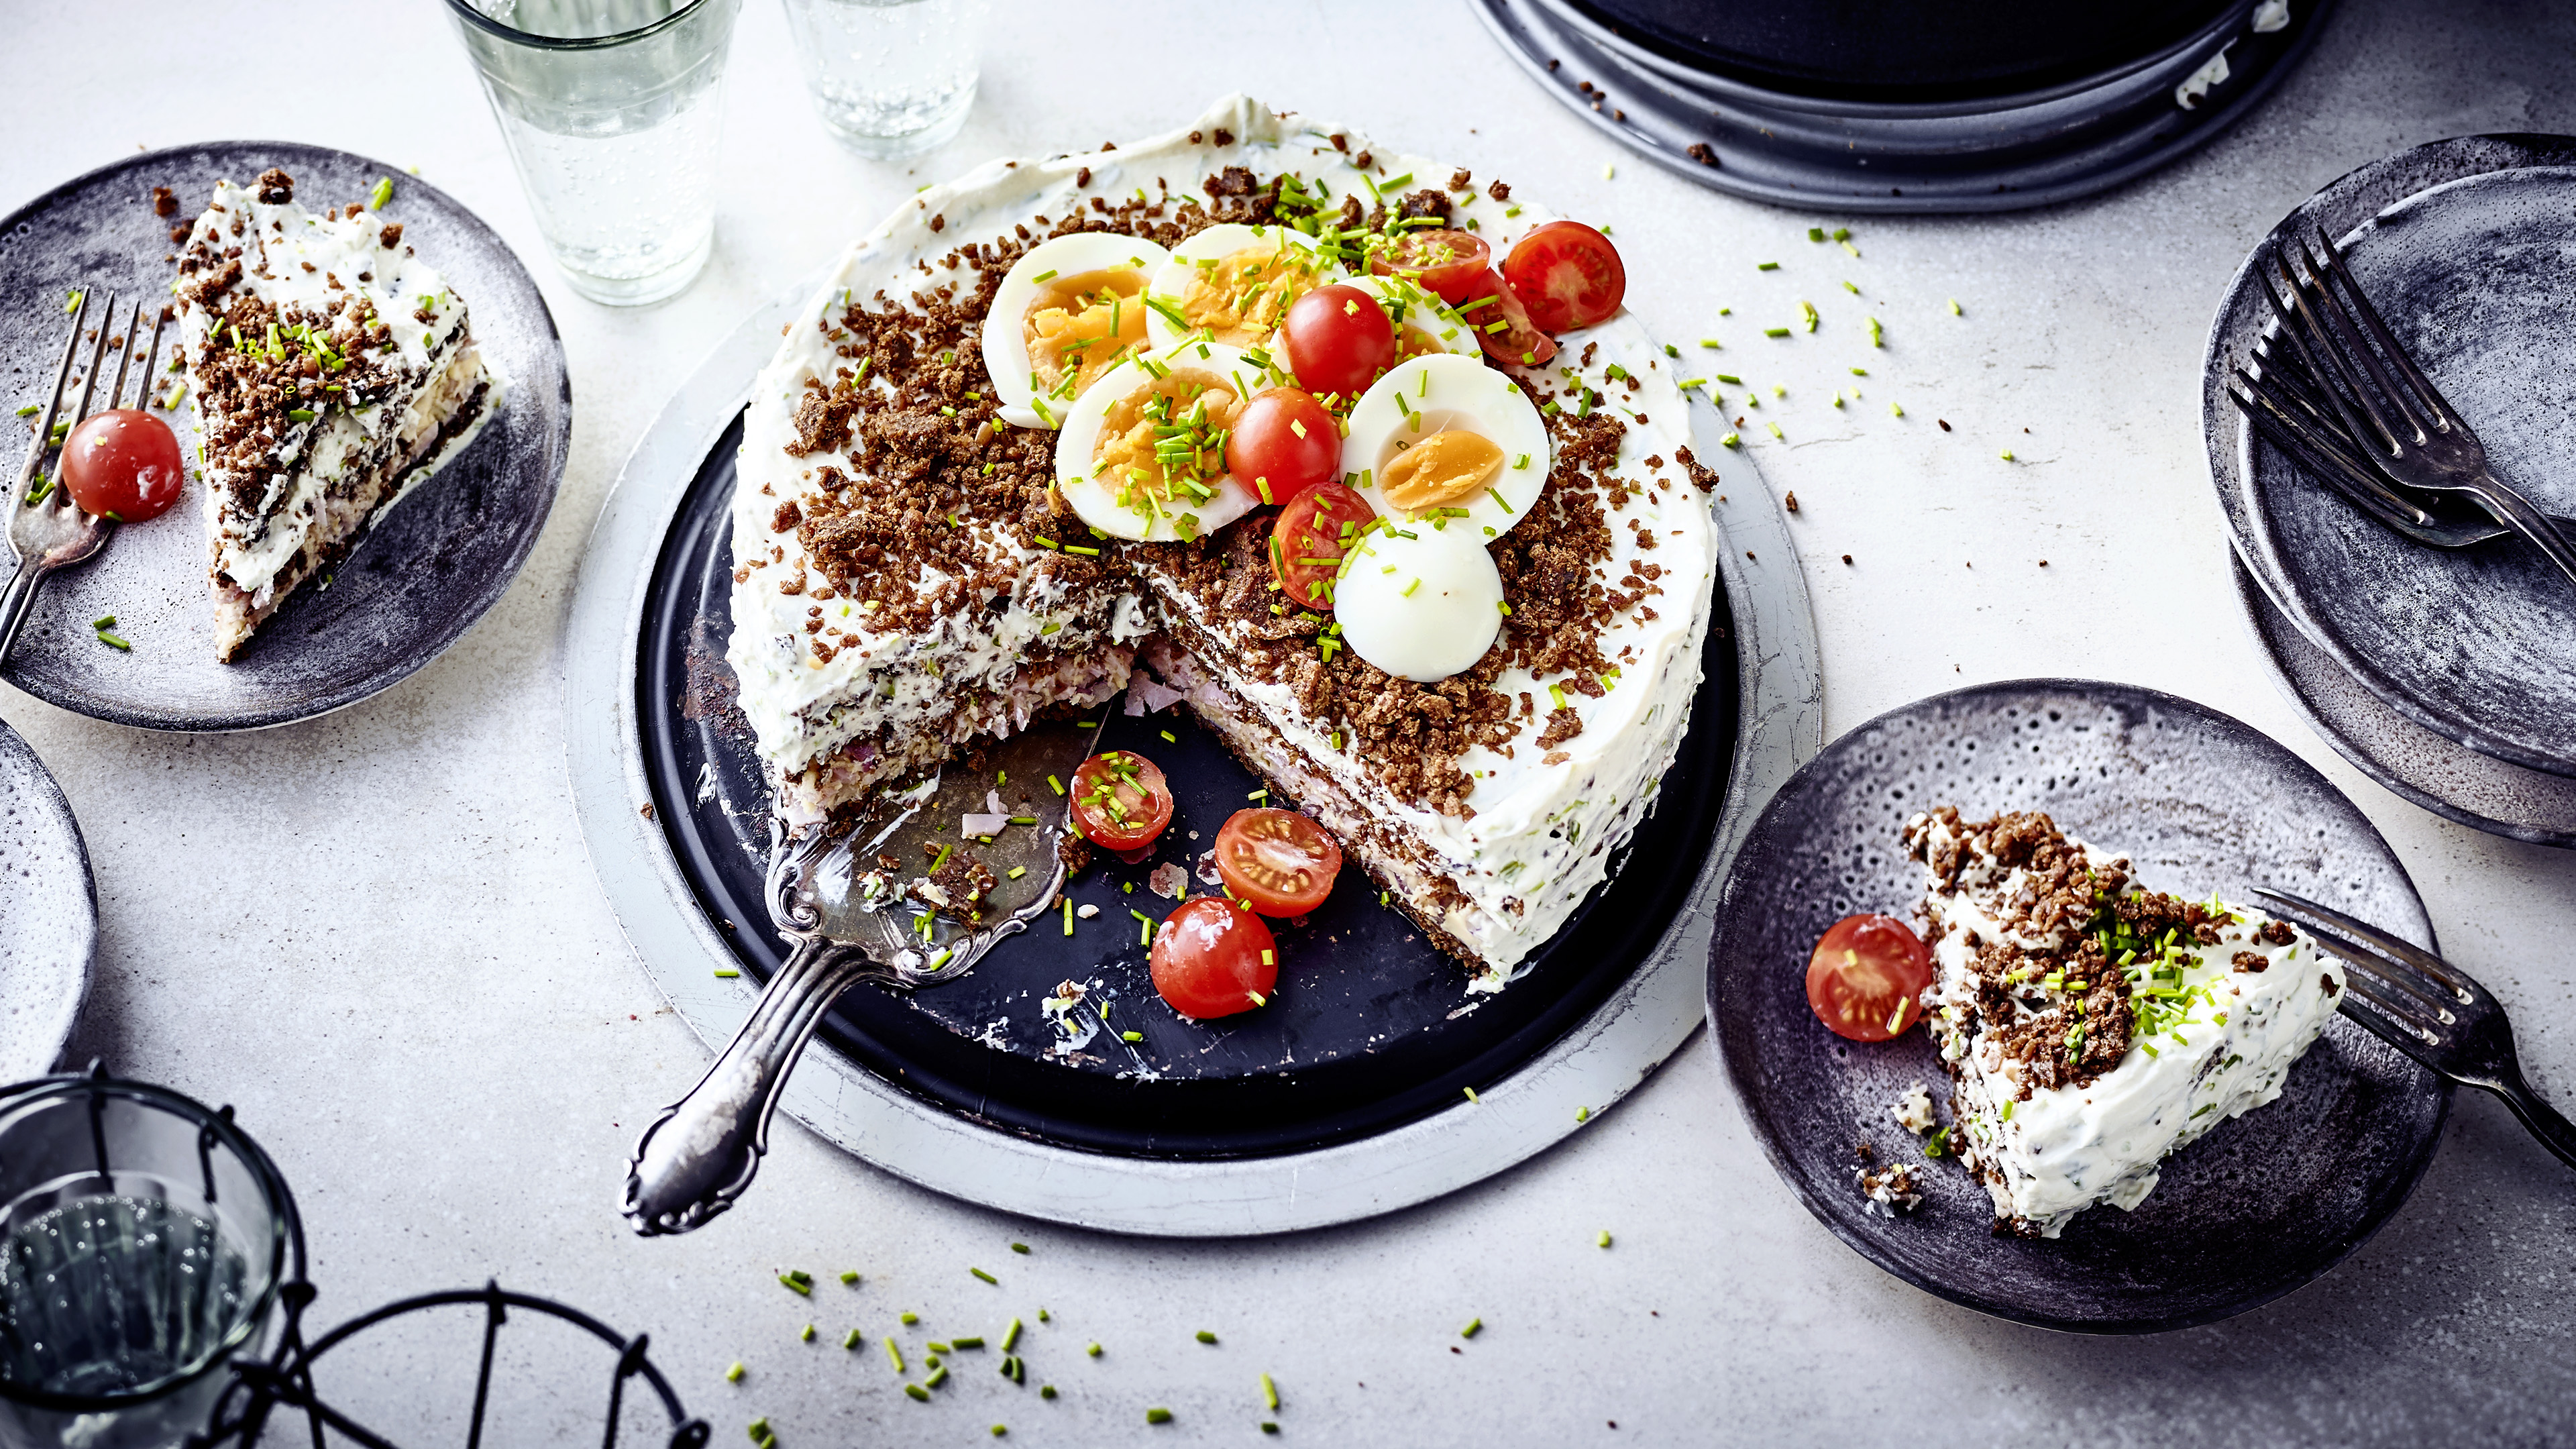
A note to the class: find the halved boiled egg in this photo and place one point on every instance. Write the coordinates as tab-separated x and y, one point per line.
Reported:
1448	441
1423	323
1421	604
1235	283
1067	311
1142	454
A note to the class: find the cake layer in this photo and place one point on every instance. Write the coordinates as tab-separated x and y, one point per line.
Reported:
331	370
2091	1029
908	579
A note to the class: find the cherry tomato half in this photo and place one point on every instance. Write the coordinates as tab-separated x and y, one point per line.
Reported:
1284	442
1213	958
1442	259
124	462
1867	976
1515	343
1278	862
1120	800
1338	340
1306	546
1567	275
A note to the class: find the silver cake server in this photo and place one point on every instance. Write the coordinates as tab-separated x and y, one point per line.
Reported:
851	917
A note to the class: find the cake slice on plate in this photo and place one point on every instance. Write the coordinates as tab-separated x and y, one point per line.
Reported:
2090	1028
332	369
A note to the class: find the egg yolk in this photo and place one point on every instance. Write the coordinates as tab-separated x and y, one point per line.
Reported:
1080	327
1241	299
1164	444
1412	342
1442	469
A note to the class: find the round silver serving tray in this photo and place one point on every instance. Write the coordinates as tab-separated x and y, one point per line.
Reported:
1594	1065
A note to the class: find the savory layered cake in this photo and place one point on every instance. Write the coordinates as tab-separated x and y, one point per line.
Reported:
2091	1028
331	370
997	467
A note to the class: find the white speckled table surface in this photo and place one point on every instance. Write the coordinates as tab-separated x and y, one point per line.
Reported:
378	935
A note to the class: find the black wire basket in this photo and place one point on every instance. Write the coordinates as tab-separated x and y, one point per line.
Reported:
71	1143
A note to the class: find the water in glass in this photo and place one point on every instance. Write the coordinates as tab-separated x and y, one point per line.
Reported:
890	77
115	1292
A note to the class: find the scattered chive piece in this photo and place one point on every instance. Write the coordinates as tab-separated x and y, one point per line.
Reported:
1842	233
999	1431
893	1352
106	621
1604	1239
1582	1114
760	1431
1205	1337
1474	1327
987	1277
1269	1394
1472	1097
1895	411
2008	457
1954	308
1730	441
1268	1427
28	411
1129	1036
1010	1335
1046	1391
938	1347
1045	1317
937	1377
851	1277
910	1319
1710	342
1728	377
734	1374
1775	431
852	1341
722	972
1815	233
1158	1416
917	1393
1094	1350
1775	331
808	1335
383	193
1766	266
789	1279
975	1342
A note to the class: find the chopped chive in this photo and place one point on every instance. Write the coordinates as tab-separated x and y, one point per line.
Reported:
1895	411
808	1334
1848	287
1730	441
1954	308
975	1342
1474	1327
1269	1394
734	1374
1046	1391
938	1347
987	1277
1010	1335
1842	233
1775	331
1204	1336
1766	266
850	1278
383	193
2008	457
916	1393
1604	1240
1094	1349
1472	1097
909	1319
1582	1114
1131	1036
1158	1416
1728	377
937	1377
28	411
725	972
789	1279
1815	233
852	1341
892	1351
107	621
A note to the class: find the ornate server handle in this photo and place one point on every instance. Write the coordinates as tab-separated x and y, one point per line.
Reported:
696	1158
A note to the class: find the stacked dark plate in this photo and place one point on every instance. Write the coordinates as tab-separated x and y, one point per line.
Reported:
2448	676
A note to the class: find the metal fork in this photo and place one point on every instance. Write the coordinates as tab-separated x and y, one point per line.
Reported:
47	532
2430	1010
2390	411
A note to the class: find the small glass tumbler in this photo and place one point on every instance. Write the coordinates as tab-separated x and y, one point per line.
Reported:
142	1245
891	78
611	110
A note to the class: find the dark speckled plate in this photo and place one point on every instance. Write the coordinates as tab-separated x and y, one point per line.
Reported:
2468	248
2200	802
416	581
2431	770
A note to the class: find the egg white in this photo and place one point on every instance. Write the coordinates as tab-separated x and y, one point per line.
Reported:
1096	501
1409	303
1421	604
1172	280
1006	353
1451	390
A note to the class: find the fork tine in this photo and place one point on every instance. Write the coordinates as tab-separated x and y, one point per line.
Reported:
2347	332
124	353
2404	952
97	351
151	359
2428	397
2389	1025
35	462
2317	353
2324	453
2393	987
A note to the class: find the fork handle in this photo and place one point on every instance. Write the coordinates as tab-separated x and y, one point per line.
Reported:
2554	1131
699	1155
2515	512
17	599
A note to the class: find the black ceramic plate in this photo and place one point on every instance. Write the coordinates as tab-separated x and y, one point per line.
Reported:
1371	1027
2433	771
416	581
2200	802
1820	107
2467	249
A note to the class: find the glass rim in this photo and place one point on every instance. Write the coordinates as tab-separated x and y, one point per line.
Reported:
285	1231
533	41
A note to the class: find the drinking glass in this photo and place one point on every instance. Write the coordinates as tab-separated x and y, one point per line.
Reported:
891	78
142	1246
610	109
